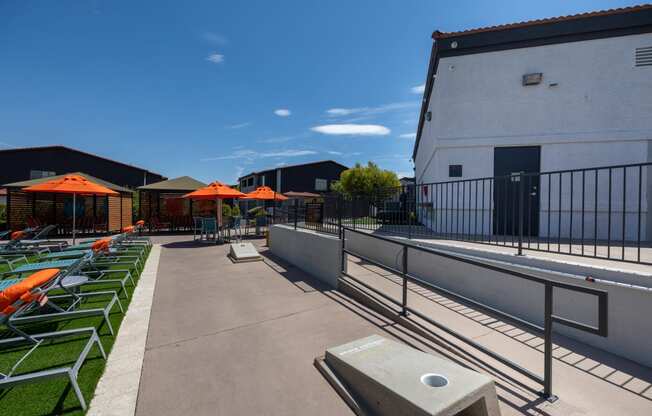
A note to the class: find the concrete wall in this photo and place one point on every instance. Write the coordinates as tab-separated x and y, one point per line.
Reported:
593	108
317	254
599	96
628	311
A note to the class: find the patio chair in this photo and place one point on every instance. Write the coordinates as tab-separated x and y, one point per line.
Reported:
10	260
82	251
209	229
84	270
31	294
15	247
99	225
197	227
156	225
33	222
237	227
39	240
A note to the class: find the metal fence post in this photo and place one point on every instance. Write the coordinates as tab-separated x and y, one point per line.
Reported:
353	210
521	191
296	211
340	209
405	281
408	212
343	259
547	351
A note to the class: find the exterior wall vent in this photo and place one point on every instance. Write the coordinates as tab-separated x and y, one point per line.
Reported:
643	56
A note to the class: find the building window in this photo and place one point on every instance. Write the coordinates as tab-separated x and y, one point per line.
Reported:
455	171
250	181
38	174
321	184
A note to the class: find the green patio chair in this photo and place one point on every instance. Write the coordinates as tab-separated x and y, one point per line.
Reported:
33	297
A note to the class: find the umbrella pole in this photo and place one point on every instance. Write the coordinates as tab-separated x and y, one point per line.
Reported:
218	220
74	203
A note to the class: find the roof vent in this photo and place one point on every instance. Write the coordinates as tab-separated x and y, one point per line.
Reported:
643	56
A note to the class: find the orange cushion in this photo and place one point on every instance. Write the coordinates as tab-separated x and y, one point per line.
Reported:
22	288
140	223
129	229
17	235
100	245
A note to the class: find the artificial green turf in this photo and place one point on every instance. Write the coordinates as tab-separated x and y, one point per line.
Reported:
55	396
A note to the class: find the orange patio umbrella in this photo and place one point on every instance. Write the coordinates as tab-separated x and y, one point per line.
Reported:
217	191
265	193
71	184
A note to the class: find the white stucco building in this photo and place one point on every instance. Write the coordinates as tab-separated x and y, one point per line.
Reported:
543	96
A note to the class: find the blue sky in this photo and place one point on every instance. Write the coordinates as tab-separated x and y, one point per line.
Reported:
213	89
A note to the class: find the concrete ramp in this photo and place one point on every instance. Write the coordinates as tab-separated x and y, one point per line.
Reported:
243	252
375	375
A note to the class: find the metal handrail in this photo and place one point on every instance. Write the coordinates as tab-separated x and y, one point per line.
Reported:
549	316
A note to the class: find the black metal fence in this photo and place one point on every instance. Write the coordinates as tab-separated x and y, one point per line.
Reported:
549	317
600	212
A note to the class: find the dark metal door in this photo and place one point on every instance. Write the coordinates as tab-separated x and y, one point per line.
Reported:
511	166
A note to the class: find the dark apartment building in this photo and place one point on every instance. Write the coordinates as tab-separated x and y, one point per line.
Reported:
39	162
305	177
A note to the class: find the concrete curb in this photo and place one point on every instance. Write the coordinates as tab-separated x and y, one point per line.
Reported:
117	390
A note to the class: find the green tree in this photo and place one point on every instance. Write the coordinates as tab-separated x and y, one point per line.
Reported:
226	210
365	180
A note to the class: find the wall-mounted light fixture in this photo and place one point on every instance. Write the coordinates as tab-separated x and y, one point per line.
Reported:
532	79
429	116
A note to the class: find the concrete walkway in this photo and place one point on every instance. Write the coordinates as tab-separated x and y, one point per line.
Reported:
239	339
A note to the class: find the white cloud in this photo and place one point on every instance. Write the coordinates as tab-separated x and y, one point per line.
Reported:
215	58
250	155
282	112
371	111
352	129
289	153
408	136
333	152
281	139
343	111
418	89
240	125
215	38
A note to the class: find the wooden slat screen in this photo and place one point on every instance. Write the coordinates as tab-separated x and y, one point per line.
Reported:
114	213
127	210
20	206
